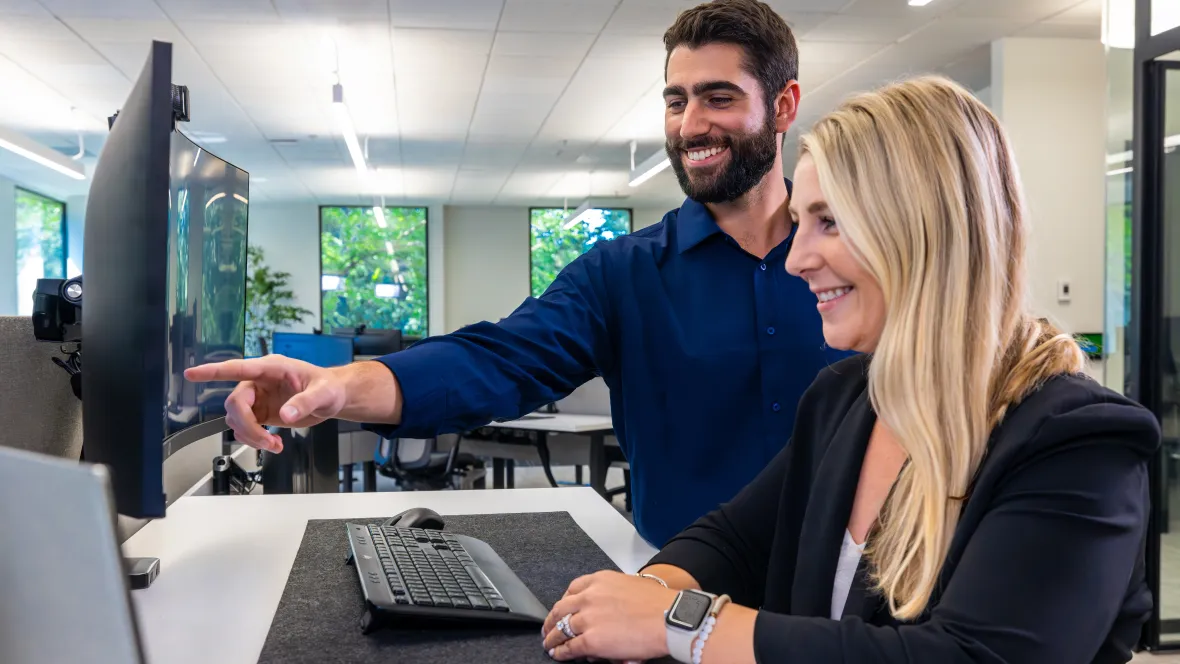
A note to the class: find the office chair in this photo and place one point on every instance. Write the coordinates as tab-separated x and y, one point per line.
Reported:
432	470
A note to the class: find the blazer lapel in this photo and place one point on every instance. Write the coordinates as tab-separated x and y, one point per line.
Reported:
833	490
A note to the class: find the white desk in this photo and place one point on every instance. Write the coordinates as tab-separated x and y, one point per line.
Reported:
224	560
595	426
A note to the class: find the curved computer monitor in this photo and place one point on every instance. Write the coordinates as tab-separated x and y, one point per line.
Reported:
165	289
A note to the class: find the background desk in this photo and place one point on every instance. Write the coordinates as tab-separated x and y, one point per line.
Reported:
597	427
224	560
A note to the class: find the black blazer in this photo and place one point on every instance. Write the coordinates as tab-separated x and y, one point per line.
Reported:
1046	564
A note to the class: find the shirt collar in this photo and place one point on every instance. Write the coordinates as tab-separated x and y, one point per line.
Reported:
695	224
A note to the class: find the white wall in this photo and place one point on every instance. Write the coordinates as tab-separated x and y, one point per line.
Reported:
1044	90
289	237
487	263
8	301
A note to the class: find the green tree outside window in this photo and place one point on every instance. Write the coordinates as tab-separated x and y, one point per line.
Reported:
552	246
373	272
40	244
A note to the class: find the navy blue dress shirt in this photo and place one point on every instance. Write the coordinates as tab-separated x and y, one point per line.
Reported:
706	350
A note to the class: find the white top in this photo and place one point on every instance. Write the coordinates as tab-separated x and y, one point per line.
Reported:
559	423
850	553
224	560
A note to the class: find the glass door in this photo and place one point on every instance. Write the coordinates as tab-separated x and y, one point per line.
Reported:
1153	351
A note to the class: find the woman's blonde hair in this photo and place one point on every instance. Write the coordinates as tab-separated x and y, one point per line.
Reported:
922	181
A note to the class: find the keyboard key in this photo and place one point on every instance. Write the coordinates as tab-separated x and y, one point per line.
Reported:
480	578
479	602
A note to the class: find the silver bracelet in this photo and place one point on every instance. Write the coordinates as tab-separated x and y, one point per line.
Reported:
654	578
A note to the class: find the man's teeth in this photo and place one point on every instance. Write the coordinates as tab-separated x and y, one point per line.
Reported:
829	295
697	155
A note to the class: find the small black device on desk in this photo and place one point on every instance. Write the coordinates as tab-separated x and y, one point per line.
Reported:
409	568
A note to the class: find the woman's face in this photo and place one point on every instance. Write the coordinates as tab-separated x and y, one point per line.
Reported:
850	300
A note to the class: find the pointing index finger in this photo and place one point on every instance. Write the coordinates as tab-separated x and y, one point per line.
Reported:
238	370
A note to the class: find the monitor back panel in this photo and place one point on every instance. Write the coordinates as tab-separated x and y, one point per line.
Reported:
64	590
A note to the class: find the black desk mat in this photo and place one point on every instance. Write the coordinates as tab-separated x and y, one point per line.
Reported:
318	618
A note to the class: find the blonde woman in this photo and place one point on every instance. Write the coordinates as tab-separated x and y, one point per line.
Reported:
960	492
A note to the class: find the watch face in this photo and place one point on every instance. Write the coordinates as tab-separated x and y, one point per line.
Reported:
689	610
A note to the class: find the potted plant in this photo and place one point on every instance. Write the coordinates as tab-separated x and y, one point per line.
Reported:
268	303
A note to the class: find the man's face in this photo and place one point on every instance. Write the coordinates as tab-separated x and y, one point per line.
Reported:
721	138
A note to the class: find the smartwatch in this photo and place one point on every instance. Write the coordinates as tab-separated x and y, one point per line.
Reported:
683	622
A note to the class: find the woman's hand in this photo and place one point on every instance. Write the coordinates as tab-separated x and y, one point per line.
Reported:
613	616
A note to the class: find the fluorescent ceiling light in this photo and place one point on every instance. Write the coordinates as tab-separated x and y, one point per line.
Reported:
578	215
387	290
34	151
919	3
380	214
389	247
330	282
242	198
344	122
649	168
1121	171
220	194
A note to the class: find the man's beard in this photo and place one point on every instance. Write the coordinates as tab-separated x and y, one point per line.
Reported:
751	157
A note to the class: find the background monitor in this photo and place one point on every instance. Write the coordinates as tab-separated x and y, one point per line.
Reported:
322	350
165	288
377	342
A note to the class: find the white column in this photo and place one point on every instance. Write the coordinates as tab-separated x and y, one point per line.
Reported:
436	291
1049	93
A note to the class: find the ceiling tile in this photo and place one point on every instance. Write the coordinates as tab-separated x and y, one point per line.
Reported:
333	10
420	43
430	153
1086	11
586	16
493	153
1011	10
822	53
634	47
139	32
10	8
881	30
899	9
449	14
1052	30
122	9
646	17
543	44
253	11
788	7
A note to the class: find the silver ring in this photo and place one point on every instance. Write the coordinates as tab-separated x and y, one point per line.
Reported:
565	627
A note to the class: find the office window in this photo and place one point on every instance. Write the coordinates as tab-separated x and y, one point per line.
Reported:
40	244
373	268
555	243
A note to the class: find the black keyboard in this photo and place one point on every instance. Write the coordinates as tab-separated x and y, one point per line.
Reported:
436	576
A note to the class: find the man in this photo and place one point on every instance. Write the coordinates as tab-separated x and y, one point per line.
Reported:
704	340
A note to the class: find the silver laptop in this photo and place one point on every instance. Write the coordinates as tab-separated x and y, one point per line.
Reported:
63	588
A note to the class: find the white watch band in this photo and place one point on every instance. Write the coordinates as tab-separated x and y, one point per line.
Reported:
679	640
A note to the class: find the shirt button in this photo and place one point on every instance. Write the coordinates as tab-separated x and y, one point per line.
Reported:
770	330
776	407
763	267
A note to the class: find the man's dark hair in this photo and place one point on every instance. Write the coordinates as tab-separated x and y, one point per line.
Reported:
772	56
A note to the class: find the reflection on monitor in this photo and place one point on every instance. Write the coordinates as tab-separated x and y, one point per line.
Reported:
207	216
322	350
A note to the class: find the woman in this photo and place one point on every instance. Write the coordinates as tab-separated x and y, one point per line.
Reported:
960	492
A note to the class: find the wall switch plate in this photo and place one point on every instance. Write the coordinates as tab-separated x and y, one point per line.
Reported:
1064	292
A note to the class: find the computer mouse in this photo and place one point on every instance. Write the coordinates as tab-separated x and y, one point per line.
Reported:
417	517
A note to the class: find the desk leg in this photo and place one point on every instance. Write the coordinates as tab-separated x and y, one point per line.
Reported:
598	464
543	452
347	477
497	473
578	474
510	472
370	468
